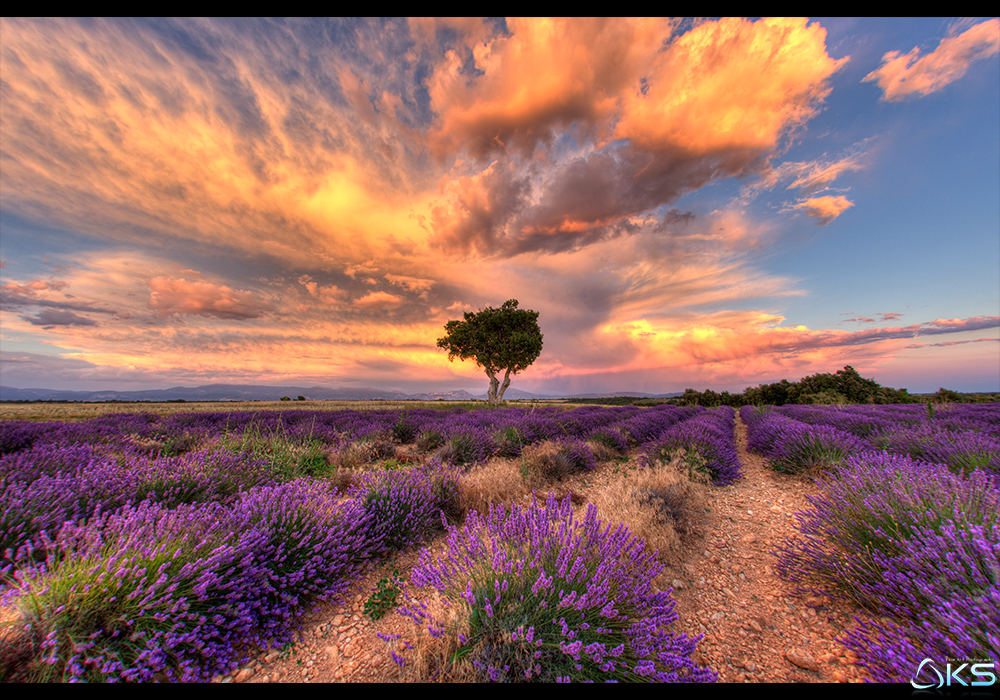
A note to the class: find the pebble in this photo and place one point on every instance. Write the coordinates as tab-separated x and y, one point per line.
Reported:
243	676
802	659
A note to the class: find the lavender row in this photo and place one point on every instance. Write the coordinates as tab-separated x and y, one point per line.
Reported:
158	593
798	438
793	446
915	544
334	428
43	487
708	441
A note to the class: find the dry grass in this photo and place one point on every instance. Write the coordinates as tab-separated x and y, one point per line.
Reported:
81	411
543	463
497	481
429	658
661	505
603	453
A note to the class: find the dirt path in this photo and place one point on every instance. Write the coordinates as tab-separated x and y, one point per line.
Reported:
755	628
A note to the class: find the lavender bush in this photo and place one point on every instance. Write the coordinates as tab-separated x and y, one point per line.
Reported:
814	448
911	540
707	440
405	506
468	444
882	517
546	597
964	627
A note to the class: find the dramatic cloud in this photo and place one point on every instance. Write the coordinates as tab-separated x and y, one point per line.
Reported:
714	103
903	75
543	75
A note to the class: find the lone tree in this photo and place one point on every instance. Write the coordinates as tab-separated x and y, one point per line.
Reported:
507	338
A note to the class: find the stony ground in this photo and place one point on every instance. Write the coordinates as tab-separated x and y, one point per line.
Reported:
756	629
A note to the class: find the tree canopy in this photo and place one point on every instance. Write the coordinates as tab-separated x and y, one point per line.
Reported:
506	340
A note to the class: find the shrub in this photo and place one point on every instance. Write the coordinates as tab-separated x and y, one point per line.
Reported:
496	481
430	439
404	431
384	597
545	597
467	445
509	442
612	438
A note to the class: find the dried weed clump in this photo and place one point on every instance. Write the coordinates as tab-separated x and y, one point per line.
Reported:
661	505
360	453
423	657
547	461
497	481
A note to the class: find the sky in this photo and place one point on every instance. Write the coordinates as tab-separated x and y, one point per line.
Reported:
703	203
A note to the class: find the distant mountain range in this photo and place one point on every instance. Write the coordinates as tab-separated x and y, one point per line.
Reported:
250	392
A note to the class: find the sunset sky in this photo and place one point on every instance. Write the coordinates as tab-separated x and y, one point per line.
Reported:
686	203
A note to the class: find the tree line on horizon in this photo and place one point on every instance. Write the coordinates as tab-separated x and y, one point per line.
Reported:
845	386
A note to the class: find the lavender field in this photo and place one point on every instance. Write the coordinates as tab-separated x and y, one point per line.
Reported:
141	547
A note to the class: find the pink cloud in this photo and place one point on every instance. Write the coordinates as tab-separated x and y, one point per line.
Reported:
904	75
179	296
949	343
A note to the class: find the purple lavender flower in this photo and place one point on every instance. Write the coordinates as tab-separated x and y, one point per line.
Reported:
549	597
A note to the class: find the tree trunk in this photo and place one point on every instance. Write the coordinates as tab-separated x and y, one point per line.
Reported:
503	387
491	396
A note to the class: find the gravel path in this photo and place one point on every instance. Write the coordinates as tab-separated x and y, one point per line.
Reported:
755	628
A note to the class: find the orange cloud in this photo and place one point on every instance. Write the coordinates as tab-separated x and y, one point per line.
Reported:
904	75
712	102
824	209
730	88
328	294
378	299
179	296
549	73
